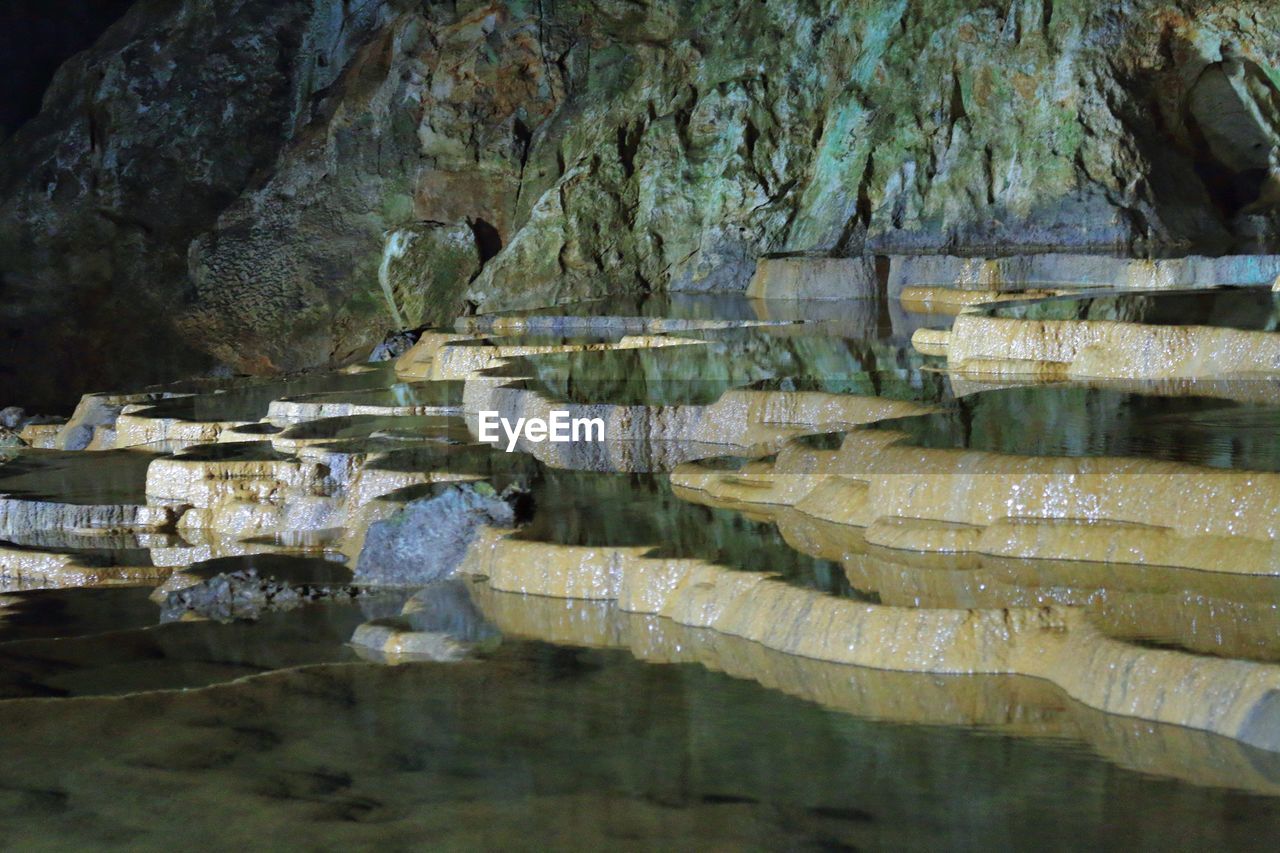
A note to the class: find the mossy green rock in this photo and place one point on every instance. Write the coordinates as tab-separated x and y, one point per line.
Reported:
492	155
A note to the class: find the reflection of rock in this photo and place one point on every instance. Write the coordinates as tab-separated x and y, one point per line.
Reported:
426	540
1013	706
446	607
1051	642
440	622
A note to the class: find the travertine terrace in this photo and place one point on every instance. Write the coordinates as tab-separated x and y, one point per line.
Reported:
1079	549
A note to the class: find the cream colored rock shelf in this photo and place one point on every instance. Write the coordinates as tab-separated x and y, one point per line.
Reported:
1098	509
1027	707
1228	697
1180	335
1110	569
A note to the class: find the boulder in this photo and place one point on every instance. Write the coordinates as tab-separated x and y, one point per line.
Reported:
426	541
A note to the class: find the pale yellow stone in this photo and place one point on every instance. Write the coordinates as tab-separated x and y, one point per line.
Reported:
1115	509
1029	707
137	430
930	341
1104	349
416	362
1050	642
23	568
929	299
42	436
813	278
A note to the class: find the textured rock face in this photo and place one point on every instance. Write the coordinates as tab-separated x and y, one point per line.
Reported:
141	142
499	154
386	204
429	537
893	126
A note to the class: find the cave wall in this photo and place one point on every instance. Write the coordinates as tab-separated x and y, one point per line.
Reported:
142	140
321	172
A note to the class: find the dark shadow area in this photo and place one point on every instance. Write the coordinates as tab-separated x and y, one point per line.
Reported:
37	36
488	240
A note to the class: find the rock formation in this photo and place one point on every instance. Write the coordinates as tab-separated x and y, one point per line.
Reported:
388	164
142	141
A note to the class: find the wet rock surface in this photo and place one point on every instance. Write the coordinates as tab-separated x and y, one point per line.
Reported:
231	589
394	165
142	141
425	541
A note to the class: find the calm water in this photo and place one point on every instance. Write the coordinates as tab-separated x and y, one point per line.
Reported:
539	745
583	727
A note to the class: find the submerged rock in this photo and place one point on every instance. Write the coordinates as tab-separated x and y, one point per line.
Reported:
245	587
427	540
245	594
445	607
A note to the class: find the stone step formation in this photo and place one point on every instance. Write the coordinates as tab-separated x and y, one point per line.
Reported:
1053	516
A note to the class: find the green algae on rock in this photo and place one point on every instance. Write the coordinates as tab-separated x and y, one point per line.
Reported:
412	161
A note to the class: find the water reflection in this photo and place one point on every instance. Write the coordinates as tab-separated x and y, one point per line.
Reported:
583	726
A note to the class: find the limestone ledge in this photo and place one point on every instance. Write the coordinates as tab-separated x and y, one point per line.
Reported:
29	568
289	411
461	361
1237	699
1216	613
314	489
981	345
1122	510
807	277
206	483
1010	705
416	362
745	421
135	428
19	515
1020	272
41	436
953	300
544	324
